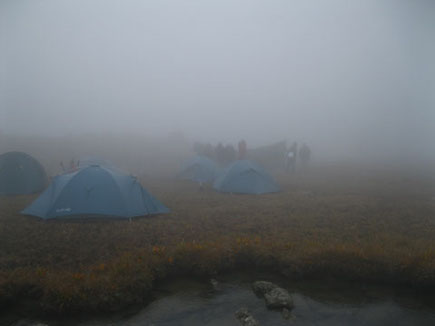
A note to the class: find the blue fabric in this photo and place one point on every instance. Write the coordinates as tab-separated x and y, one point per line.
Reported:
200	169
245	177
95	190
21	174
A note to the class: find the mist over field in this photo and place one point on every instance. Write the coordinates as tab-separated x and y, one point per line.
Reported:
180	161
355	80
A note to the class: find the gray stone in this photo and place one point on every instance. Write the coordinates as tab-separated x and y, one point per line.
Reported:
263	287
278	298
245	318
215	284
286	314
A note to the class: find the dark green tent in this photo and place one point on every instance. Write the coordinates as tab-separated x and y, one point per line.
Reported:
21	174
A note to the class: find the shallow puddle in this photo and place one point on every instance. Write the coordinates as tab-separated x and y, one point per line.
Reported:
189	302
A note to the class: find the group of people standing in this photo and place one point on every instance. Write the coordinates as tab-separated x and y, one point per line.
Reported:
304	154
223	155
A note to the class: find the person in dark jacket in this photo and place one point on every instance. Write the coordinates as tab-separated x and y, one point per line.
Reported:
305	155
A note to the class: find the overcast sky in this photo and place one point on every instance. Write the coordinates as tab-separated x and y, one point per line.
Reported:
359	73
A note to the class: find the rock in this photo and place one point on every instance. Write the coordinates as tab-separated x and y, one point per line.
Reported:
215	284
263	287
278	298
242	313
245	318
286	314
275	297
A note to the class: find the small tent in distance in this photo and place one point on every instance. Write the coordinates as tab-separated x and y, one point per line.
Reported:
245	177
95	191
21	174
201	169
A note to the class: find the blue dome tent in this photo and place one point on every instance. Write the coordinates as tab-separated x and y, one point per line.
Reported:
245	177
201	169
21	174
95	191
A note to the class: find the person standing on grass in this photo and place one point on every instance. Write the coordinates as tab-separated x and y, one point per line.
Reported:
220	154
230	154
72	165
291	157
242	149
305	155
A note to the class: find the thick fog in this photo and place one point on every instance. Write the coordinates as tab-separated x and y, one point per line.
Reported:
350	78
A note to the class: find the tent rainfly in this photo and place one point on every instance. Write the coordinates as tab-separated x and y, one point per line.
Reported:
95	191
245	177
201	169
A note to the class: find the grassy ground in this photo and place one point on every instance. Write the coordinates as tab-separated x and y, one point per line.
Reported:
337	221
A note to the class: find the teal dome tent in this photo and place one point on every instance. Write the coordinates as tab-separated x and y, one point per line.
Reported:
21	174
200	169
245	177
95	191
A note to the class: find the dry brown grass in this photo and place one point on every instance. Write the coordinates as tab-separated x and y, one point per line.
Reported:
340	222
